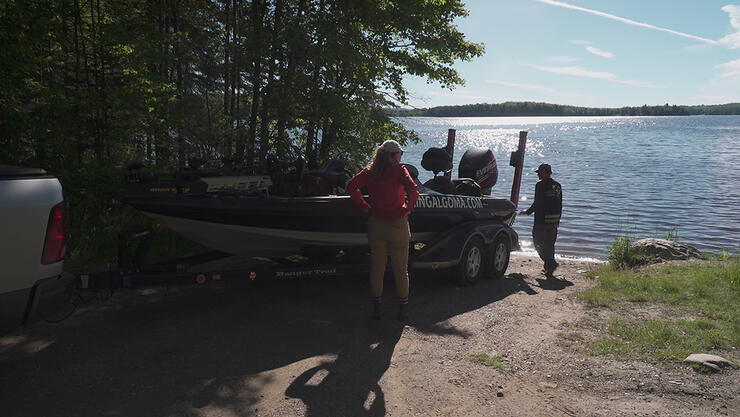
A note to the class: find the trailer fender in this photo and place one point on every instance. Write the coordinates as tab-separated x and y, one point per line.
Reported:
446	250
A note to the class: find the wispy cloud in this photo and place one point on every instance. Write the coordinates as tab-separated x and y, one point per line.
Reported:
710	98
730	69
599	52
723	87
638	83
461	94
629	21
561	59
539	88
582	72
528	87
732	40
575	71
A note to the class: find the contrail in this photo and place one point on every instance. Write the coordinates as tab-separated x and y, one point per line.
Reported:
627	21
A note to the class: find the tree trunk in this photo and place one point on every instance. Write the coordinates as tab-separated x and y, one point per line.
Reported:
227	73
257	14
310	142
267	101
181	157
327	140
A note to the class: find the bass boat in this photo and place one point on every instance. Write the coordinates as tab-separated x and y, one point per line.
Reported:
304	212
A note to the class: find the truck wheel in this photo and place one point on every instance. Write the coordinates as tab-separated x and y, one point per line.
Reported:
498	257
471	265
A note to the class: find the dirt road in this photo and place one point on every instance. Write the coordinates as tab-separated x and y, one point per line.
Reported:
308	348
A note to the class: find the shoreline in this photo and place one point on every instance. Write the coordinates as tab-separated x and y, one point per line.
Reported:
533	254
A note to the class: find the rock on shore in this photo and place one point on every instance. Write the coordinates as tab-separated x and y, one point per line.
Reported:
665	249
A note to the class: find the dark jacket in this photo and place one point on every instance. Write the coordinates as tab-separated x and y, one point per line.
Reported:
548	202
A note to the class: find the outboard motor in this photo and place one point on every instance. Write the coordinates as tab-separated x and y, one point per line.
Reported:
479	164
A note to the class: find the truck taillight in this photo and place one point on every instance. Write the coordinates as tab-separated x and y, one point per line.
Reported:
56	235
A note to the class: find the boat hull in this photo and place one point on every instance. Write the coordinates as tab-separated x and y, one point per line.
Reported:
283	226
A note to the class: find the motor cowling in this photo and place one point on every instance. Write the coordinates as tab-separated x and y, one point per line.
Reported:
479	164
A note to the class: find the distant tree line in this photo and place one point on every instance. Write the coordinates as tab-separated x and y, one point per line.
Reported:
528	108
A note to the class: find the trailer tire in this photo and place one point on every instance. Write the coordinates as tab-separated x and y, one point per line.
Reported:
472	264
498	257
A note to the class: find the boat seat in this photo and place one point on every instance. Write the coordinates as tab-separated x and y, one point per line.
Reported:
413	172
436	160
441	184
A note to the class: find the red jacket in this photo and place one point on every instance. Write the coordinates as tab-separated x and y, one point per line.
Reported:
387	194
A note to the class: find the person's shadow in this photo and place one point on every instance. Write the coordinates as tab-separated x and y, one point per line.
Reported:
350	385
176	352
353	377
552	283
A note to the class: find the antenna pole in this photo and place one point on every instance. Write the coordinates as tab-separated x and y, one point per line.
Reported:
450	148
517	161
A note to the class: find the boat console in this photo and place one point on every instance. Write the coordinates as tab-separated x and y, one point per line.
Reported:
292	179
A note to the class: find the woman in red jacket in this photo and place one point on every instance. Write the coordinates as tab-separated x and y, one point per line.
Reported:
393	195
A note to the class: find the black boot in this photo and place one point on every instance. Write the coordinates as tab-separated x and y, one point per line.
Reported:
377	303
403	313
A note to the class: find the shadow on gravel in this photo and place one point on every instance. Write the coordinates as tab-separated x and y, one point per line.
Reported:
553	284
190	350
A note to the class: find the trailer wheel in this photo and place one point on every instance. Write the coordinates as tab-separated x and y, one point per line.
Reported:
471	265
498	257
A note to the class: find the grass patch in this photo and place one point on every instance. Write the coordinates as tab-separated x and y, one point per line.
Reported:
570	339
622	255
708	291
664	340
495	361
669	235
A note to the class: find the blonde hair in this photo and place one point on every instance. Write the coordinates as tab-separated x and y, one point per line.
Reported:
381	160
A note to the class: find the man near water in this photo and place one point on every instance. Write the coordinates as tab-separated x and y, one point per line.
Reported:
547	208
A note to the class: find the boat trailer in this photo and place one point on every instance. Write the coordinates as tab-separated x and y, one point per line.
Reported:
474	249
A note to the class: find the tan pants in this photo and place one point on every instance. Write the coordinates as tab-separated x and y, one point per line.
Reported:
389	238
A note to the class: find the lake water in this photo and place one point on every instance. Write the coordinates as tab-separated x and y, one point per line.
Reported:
634	176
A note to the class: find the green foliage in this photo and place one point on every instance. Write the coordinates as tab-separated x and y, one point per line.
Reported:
86	87
708	293
701	285
496	361
623	255
669	235
672	234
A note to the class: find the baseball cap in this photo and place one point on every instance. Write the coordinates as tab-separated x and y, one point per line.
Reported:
391	146
544	168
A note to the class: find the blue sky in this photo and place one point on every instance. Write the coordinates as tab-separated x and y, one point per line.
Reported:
596	53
